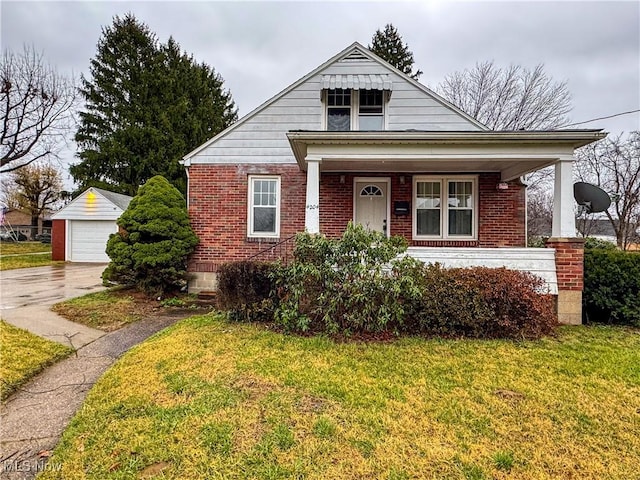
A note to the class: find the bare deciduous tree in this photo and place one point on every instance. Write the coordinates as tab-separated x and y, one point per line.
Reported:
36	108
614	165
35	188
539	212
513	98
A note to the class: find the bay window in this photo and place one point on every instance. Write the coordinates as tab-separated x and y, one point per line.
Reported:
445	208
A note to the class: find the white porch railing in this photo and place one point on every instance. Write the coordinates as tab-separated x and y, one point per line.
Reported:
538	261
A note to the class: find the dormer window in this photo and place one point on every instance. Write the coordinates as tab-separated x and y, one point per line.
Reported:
355	109
338	110
371	110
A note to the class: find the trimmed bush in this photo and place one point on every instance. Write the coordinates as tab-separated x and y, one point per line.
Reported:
444	304
150	251
245	290
513	305
481	302
592	242
612	287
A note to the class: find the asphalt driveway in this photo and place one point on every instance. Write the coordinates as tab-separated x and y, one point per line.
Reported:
26	294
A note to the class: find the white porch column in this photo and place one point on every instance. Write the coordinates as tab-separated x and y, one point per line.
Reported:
312	207
564	222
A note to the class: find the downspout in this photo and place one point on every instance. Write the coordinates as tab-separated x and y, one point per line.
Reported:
187	163
523	181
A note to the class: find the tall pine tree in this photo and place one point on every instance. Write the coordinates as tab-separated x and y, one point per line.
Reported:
147	105
389	46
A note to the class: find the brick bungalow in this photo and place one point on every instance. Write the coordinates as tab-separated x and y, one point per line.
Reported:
356	139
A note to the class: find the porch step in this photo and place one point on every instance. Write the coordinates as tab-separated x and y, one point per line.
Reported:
207	295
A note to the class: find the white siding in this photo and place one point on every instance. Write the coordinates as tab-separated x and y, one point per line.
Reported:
262	137
538	261
409	107
89	205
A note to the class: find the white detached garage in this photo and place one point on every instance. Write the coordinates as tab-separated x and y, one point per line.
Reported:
82	228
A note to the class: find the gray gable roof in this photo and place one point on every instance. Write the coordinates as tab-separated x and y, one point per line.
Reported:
118	199
360	52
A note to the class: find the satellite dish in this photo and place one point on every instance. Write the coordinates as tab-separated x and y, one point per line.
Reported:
592	198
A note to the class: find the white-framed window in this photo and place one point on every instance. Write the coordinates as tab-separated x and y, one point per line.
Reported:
264	206
445	208
355	109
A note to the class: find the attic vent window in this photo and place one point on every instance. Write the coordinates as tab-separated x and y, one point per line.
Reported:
355	56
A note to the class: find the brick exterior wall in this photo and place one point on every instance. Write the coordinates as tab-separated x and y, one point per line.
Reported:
570	274
569	262
218	210
58	240
502	213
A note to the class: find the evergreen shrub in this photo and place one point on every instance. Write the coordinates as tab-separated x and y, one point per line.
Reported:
353	284
364	282
151	248
611	287
486	302
592	242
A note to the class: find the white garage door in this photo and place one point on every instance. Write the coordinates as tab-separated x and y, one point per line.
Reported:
88	239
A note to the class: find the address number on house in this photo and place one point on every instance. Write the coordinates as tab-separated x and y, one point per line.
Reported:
313	207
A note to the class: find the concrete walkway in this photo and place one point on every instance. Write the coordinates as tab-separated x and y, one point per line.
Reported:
26	295
32	420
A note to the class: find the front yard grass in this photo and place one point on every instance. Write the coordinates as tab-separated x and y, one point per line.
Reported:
24	255
112	309
108	310
23	355
212	399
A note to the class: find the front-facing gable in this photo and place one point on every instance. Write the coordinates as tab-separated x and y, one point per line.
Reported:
260	136
94	204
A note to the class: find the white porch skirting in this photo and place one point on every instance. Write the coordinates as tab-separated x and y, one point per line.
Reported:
538	261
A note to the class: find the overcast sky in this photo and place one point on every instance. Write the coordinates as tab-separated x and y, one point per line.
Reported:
259	48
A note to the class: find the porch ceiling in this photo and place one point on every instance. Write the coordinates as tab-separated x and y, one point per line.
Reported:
513	154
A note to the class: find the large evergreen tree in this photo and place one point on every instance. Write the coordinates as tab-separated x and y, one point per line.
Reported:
389	46
147	105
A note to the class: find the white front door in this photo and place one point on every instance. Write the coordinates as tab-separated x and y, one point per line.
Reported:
371	203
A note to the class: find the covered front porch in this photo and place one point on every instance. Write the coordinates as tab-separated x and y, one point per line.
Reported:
463	195
510	155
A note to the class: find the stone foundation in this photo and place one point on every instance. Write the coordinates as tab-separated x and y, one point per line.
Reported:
203	282
569	307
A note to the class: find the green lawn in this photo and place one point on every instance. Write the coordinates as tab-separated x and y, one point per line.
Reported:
24	254
211	399
23	355
108	310
14	248
114	308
